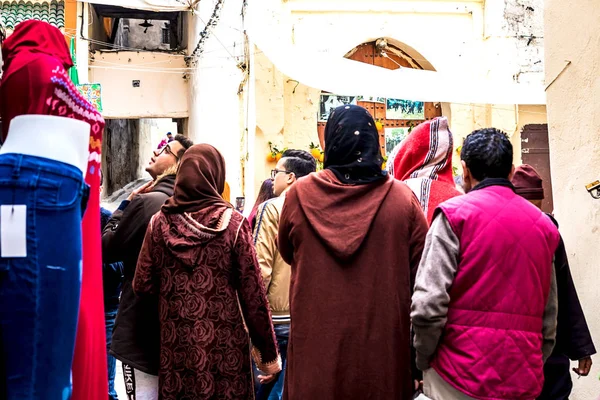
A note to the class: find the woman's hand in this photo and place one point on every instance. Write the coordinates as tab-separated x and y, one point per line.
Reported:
264	379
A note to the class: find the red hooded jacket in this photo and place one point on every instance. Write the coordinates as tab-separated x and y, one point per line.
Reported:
35	81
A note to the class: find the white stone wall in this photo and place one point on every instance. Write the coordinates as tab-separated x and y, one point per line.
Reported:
163	90
524	21
572	39
217	113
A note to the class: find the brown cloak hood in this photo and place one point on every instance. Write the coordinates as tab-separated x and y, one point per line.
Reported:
340	214
187	234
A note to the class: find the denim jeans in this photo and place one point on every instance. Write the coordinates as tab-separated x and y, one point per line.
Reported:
39	293
274	389
112	279
109	318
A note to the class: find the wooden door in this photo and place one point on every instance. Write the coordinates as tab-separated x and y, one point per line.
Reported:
368	53
535	151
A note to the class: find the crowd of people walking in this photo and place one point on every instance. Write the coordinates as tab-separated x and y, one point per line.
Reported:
346	283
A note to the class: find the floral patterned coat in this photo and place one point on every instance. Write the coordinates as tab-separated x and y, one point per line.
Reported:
203	268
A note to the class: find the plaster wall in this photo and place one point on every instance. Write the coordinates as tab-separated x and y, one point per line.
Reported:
465	118
501	39
81	45
218	114
572	39
163	90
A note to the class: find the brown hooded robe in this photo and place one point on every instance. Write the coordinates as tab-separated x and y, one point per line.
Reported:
354	252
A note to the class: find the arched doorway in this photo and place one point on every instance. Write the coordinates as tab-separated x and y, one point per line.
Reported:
384	54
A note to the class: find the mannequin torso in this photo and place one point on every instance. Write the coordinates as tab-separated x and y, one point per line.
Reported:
56	138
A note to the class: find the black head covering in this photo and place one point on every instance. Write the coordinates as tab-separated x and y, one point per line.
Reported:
352	150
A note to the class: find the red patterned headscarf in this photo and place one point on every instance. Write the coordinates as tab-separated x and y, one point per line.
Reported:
424	162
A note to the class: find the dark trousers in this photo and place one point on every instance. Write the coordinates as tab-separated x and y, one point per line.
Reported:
39	293
274	389
557	375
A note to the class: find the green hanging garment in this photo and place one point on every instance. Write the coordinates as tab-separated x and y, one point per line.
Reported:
73	71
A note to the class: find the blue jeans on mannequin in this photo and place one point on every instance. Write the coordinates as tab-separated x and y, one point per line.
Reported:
39	293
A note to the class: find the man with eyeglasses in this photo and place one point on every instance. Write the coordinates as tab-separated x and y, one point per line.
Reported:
293	165
136	335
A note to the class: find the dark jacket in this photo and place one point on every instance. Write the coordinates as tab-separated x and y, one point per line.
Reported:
112	274
136	340
573	338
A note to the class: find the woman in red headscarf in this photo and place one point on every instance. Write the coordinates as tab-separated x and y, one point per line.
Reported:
199	259
424	162
35	81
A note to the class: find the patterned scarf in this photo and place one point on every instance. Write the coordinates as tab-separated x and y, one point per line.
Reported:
424	162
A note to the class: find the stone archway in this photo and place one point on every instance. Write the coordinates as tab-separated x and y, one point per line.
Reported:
386	54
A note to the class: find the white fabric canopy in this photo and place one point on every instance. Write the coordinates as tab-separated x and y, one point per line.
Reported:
149	5
347	77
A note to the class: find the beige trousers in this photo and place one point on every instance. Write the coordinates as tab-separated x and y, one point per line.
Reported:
437	388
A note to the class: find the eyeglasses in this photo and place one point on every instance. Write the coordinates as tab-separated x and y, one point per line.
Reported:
275	171
168	150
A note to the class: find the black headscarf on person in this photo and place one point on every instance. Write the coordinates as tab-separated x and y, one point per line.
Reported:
352	150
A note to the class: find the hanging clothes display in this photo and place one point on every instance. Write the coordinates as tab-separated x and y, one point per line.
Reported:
35	81
41	190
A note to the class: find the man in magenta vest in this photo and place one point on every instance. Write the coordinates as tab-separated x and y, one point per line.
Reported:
485	304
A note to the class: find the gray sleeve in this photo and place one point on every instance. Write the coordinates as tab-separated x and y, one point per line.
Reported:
550	318
431	298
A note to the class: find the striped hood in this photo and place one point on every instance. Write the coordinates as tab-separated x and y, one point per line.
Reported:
424	162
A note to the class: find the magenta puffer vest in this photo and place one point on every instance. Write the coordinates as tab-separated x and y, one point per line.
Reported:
492	344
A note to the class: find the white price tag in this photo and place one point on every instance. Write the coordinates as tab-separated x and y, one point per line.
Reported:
13	231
